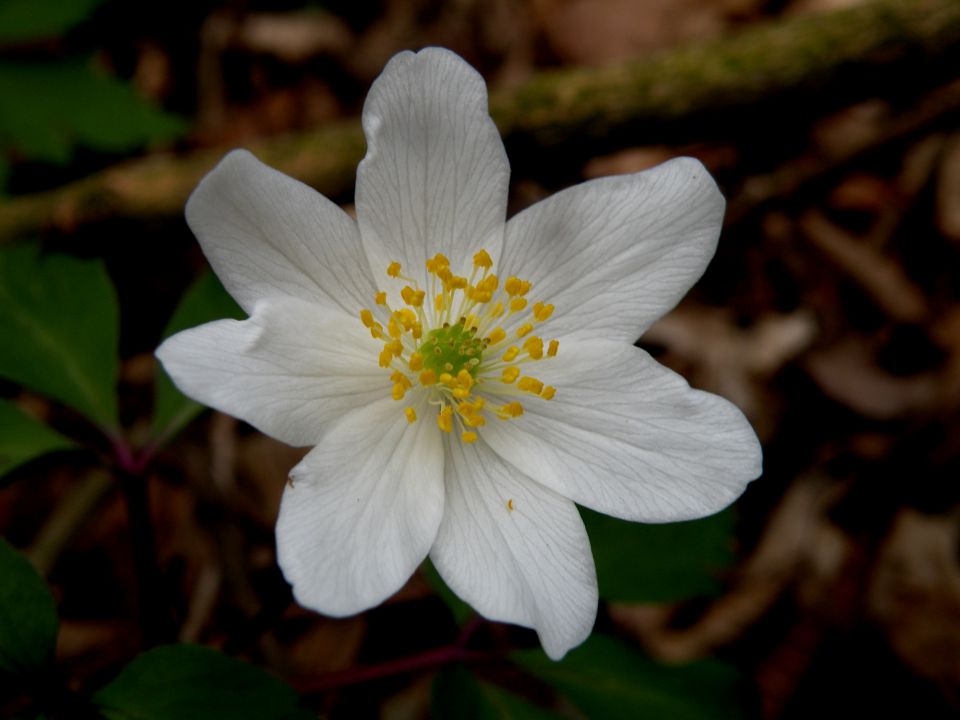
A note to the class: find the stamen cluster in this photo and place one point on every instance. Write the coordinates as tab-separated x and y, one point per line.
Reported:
455	344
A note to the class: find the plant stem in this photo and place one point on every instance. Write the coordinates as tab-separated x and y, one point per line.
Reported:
421	661
155	625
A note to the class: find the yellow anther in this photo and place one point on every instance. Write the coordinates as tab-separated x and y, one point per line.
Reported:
479	403
444	274
542	312
496	335
480	296
457	283
548	392
386	357
376	331
393	269
489	284
482	259
408	317
510	410
461	393
394	328
469	437
398	391
510	505
553	347
445	419
465	379
417	331
474	421
515	286
497	310
524	330
366	317
530	384
411	296
428	377
438	302
380	298
399	377
395	347
415	362
411	414
534	347
510	374
447	379
437	262
517	304
511	354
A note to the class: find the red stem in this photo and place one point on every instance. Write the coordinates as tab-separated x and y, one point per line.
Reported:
352	676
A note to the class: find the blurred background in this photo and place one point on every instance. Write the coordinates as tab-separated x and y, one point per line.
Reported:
830	315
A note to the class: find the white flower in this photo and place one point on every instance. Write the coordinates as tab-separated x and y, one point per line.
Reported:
430	437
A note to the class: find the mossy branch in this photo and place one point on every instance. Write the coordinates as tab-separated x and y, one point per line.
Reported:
874	49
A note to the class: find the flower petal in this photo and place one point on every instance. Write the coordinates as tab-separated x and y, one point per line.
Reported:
362	510
529	565
289	370
436	175
268	235
615	254
628	437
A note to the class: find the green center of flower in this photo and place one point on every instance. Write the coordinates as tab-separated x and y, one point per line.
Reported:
452	348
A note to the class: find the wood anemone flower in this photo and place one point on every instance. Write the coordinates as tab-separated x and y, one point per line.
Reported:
463	380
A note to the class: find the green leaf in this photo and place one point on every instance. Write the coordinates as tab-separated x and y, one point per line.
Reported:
28	616
204	301
659	563
189	682
67	103
23	437
607	679
458	695
58	318
460	610
26	20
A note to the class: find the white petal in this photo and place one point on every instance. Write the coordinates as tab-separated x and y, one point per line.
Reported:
363	509
530	565
615	254
435	176
289	370
628	437
268	235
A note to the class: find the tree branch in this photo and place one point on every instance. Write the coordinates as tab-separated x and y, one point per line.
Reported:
879	48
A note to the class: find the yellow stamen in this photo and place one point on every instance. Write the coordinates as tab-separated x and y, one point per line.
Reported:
393	269
445	419
398	391
518	304
552	349
530	384
548	392
482	259
542	312
510	374
524	329
469	437
380	298
496	335
366	317
416	362
411	415
428	377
